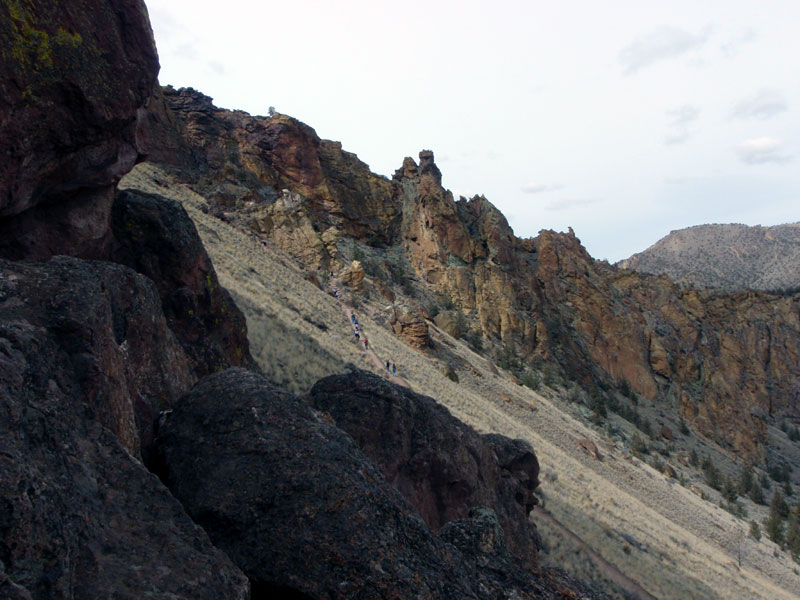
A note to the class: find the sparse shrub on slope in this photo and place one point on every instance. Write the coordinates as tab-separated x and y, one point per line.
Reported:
755	531
639	446
712	474
778	510
793	533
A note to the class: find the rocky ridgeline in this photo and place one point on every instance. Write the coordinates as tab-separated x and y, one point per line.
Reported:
727	362
728	257
121	356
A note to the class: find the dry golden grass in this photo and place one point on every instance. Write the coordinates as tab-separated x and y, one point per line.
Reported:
663	536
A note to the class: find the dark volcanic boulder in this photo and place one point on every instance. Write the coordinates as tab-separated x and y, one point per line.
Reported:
442	466
86	361
491	567
156	237
73	77
293	501
110	339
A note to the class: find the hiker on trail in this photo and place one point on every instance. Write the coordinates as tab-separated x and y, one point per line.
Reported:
394	370
356	334
335	292
366	343
387	366
353	318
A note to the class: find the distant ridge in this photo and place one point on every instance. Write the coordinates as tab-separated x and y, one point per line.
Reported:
726	256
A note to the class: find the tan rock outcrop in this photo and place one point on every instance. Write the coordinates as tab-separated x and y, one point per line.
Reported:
409	324
354	276
590	448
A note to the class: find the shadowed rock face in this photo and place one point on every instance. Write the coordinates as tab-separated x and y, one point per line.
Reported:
87	357
156	237
292	500
86	362
72	81
113	340
298	507
442	466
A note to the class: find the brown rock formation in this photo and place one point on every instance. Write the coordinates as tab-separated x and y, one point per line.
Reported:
247	161
354	276
410	324
726	362
590	448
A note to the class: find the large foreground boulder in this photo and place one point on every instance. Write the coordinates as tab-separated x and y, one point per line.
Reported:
86	362
299	508
111	348
74	79
155	236
293	501
442	466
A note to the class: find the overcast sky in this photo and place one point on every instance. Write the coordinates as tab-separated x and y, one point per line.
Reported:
622	119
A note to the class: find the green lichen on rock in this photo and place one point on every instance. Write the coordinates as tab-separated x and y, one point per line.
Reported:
37	49
30	46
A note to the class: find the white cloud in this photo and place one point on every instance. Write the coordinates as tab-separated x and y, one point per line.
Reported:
763	150
567	203
683	115
216	67
662	44
763	104
731	47
681	180
677	137
679	120
537	188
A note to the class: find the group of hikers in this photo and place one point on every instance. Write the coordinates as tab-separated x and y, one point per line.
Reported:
391	367
356	331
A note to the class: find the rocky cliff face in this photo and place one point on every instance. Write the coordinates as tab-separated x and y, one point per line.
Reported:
729	257
276	175
728	363
86	364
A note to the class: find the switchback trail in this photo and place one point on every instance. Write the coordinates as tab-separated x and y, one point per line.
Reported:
380	364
